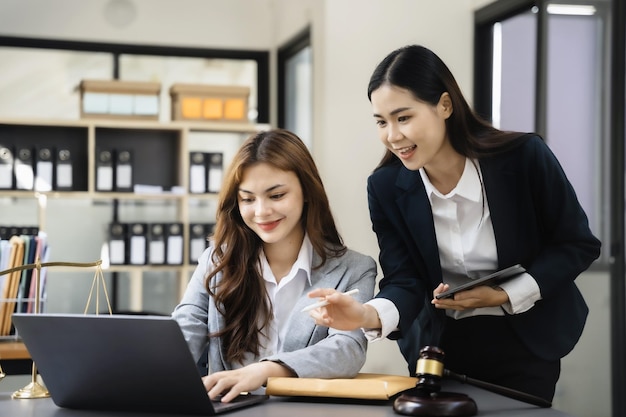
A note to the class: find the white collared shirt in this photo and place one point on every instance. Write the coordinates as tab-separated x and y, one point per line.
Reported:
283	295
467	248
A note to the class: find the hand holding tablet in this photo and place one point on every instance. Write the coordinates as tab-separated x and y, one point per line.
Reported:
491	280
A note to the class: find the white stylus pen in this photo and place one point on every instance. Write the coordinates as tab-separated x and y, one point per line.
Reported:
325	303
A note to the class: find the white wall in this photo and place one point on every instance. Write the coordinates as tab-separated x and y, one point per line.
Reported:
349	38
236	24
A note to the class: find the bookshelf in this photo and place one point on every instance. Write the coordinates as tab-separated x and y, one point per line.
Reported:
160	162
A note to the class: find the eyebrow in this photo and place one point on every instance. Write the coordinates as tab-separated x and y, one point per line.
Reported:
393	112
268	190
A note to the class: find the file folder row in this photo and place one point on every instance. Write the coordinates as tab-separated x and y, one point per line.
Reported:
7	231
114	170
155	243
46	168
206	170
38	168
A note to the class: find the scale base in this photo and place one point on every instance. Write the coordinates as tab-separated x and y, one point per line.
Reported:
32	390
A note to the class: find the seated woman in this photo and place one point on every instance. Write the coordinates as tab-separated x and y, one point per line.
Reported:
275	240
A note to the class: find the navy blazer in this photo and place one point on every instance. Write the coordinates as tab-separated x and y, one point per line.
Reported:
537	221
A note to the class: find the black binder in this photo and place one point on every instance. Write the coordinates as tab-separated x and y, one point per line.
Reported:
104	170
6	168
197	173
124	171
198	240
156	244
15	231
64	175
174	244
28	230
215	172
6	231
117	243
137	243
44	168
24	169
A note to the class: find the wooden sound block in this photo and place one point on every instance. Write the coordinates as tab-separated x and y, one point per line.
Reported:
413	402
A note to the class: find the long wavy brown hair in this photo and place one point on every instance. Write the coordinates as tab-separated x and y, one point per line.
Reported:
240	295
420	71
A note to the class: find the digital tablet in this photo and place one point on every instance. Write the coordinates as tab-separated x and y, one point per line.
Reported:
491	280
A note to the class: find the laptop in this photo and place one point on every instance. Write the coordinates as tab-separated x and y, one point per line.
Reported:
118	362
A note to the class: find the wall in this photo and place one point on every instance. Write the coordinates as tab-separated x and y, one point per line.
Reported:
236	24
348	39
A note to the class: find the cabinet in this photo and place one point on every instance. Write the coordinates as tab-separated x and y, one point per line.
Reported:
77	219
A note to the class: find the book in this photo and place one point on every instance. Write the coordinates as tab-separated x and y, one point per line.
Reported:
24	285
42	254
5	256
11	285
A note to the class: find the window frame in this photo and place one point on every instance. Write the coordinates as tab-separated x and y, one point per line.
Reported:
285	52
116	49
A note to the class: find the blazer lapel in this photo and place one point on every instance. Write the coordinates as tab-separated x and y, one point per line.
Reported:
301	325
417	214
502	191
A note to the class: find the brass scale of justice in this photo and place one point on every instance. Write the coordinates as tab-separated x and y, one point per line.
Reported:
425	399
34	389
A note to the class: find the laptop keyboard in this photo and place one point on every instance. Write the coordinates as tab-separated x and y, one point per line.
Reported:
239	401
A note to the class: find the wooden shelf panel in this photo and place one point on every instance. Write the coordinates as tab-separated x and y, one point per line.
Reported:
13	351
238	127
167	196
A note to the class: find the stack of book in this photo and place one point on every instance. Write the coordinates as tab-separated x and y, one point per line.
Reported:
18	289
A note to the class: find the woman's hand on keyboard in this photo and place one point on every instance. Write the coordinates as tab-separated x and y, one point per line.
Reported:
230	384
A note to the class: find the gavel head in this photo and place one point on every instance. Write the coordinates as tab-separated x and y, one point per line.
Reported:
429	369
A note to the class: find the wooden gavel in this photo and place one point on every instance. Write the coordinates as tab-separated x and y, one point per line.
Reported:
430	371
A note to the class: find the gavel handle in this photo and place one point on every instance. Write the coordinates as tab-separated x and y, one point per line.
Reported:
507	392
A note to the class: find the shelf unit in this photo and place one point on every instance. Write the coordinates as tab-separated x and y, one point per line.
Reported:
160	158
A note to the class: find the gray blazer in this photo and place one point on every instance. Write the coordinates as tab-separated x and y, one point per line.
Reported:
310	351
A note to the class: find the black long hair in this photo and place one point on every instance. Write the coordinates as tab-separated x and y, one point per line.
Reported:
420	71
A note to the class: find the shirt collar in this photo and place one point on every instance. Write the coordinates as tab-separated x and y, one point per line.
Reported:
468	187
305	257
303	262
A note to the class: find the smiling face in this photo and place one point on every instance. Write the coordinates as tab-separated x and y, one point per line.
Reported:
412	130
271	203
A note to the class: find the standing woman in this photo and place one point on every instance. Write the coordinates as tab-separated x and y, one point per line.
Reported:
275	240
454	199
